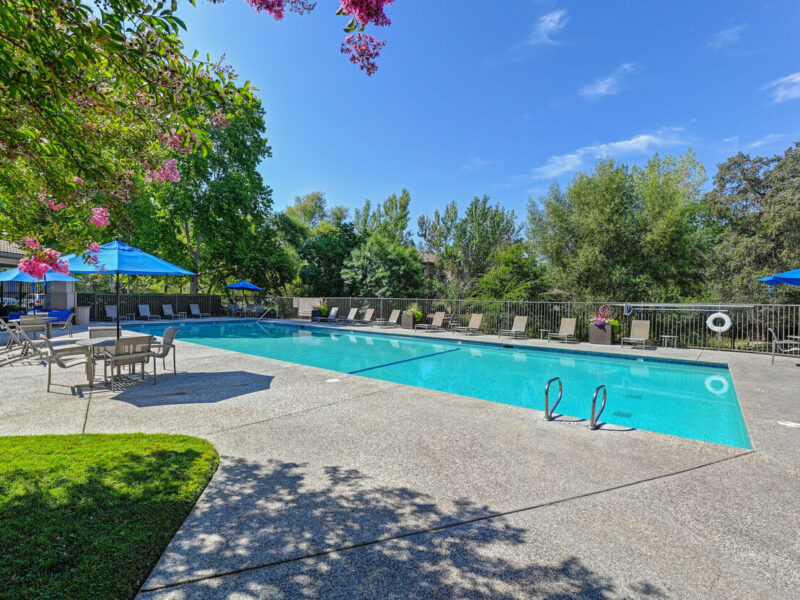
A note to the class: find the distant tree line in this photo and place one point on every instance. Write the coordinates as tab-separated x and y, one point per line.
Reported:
655	232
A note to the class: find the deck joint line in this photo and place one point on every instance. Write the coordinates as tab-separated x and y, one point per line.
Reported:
408	534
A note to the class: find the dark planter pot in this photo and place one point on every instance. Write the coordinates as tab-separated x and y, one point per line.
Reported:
315	314
408	322
601	334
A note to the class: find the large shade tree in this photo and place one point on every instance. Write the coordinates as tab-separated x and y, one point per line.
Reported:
93	98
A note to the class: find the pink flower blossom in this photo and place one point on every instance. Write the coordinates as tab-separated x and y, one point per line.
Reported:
367	11
92	259
77	180
94	247
166	172
99	217
33	267
273	7
42	262
51	204
219	120
363	50
32	243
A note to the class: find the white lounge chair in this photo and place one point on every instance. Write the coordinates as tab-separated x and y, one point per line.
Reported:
791	347
566	331
437	322
167	310
392	321
144	312
194	311
474	326
640	334
517	328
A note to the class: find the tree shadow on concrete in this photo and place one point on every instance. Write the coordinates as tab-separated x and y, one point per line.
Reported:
285	530
189	388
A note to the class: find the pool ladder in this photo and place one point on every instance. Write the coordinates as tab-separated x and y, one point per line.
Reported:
548	411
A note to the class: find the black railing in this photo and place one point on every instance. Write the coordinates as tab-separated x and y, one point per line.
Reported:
129	303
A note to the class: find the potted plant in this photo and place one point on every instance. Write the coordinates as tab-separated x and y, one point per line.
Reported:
603	327
318	311
411	316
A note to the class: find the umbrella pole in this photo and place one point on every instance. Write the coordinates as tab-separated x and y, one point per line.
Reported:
118	328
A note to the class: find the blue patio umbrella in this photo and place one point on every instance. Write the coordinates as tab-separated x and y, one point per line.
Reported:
244	285
118	258
789	278
17	276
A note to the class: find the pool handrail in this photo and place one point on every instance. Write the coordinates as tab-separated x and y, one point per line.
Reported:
548	412
593	418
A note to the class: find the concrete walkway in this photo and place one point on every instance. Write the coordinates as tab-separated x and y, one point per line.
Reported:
340	486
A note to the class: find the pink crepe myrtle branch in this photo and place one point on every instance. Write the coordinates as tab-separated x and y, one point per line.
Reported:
42	261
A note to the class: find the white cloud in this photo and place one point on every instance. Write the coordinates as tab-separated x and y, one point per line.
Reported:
638	144
767	139
608	85
547	26
726	37
785	88
475	164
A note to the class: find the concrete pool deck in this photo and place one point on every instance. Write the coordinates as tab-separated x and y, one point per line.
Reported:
340	486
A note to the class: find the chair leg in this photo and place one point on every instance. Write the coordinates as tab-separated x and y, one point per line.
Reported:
155	367
49	374
174	365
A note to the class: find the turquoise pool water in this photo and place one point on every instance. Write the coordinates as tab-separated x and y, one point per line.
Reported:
690	400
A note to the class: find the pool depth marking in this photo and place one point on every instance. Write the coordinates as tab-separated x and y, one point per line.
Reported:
405	360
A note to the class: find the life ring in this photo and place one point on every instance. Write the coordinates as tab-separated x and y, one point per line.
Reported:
726	322
716	389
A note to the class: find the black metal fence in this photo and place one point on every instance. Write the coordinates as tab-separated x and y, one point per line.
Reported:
748	331
129	303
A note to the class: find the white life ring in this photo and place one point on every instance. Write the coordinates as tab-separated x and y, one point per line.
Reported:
713	387
726	322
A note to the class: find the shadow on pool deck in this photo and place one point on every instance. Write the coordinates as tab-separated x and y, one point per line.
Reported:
277	531
190	388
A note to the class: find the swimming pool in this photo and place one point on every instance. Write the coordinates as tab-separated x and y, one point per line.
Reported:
686	399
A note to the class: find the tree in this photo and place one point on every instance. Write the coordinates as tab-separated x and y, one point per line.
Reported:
624	234
324	255
383	268
220	210
93	97
389	220
463	246
755	211
515	274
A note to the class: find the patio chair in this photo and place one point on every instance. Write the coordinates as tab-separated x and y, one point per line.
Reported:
517	328
566	331
783	346
194	311
111	312
235	310
66	357
162	349
474	326
640	334
34	324
70	321
144	312
128	351
102	332
351	316
333	316
392	321
437	322
167	310
366	319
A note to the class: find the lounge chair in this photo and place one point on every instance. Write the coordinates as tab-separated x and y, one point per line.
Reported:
517	328
437	322
783	346
366	319
144	312
194	311
474	326
130	351
66	357
351	316
162	349
167	310
566	331
392	321
331	317
640	334
111	312
234	310
102	332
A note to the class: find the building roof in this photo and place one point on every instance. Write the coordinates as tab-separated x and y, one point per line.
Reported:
10	248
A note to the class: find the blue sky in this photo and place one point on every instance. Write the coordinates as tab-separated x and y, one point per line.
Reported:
469	102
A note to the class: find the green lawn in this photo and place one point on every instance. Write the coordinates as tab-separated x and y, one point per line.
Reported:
87	516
